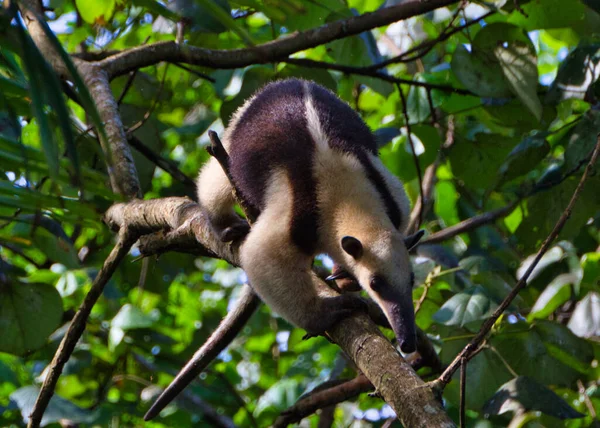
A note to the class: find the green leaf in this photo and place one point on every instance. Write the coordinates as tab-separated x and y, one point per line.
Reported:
581	141
575	74
524	394
517	59
497	288
471	305
477	162
548	14
28	314
254	78
553	296
35	64
524	157
590	263
479	72
224	17
128	318
585	321
131	317
278	397
486	372
529	350
82	90
58	408
157	8
502	61
97	11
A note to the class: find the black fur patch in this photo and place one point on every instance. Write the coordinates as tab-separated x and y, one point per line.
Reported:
272	133
347	132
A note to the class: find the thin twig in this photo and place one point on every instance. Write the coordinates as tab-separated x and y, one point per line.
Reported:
469	224
323	397
127	86
361	71
163	163
148	113
475	343
414	154
424	48
586	399
195	72
124	242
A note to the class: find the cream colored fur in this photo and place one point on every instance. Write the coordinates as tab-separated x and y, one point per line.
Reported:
279	272
349	205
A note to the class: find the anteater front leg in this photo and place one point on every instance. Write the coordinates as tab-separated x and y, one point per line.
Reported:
215	196
281	274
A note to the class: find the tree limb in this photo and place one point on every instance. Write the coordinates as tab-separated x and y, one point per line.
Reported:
124	242
318	399
471	348
121	168
373	354
144	56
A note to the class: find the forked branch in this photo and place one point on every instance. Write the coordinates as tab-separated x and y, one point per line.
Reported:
470	350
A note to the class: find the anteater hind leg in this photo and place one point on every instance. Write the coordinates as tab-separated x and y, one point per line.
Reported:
281	273
216	199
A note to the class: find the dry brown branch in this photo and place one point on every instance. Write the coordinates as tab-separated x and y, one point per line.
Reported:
322	398
121	168
468	351
125	240
143	56
469	224
373	354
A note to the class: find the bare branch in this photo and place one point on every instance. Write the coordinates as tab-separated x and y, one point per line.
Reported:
414	155
373	354
163	163
363	71
469	224
124	242
145	56
469	350
321	398
463	392
425	47
121	168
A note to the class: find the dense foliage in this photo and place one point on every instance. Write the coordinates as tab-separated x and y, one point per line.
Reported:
504	109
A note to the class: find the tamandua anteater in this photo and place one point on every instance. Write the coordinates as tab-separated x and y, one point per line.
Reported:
308	164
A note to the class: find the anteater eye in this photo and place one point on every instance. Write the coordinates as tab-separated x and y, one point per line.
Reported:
377	284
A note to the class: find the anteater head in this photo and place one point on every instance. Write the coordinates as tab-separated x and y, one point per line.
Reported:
381	265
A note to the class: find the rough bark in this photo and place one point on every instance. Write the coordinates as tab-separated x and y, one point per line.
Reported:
121	168
172	51
394	378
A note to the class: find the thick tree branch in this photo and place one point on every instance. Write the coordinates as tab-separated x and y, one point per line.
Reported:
469	351
374	355
121	168
144	56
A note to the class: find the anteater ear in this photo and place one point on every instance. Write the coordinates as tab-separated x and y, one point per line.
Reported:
411	240
352	246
